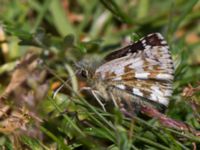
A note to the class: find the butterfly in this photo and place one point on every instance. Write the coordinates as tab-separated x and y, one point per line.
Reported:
142	71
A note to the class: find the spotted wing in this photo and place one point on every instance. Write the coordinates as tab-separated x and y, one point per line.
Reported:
144	69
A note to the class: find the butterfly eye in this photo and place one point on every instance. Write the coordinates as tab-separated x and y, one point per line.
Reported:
84	73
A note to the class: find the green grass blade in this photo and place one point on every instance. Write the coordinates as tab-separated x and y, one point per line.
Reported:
60	19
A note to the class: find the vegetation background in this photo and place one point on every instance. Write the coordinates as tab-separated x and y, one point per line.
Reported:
41	40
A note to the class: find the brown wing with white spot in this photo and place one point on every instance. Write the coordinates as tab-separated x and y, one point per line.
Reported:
149	89
146	72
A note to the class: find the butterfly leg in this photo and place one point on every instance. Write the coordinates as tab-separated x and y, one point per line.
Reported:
114	100
56	92
85	88
115	96
98	100
95	94
123	101
118	102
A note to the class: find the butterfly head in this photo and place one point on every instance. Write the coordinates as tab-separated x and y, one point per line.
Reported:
86	67
84	70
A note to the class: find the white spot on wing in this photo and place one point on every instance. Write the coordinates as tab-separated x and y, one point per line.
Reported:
159	99
150	34
147	47
166	56
164	49
157	90
168	92
164	76
117	78
163	42
137	63
159	36
158	96
120	86
144	42
119	71
137	92
153	97
142	75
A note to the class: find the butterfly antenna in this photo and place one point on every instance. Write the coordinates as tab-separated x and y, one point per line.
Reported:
98	100
60	87
57	90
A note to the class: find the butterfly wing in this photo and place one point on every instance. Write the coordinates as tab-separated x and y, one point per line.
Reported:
144	69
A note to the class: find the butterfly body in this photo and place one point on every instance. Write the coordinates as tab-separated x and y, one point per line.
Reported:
140	70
